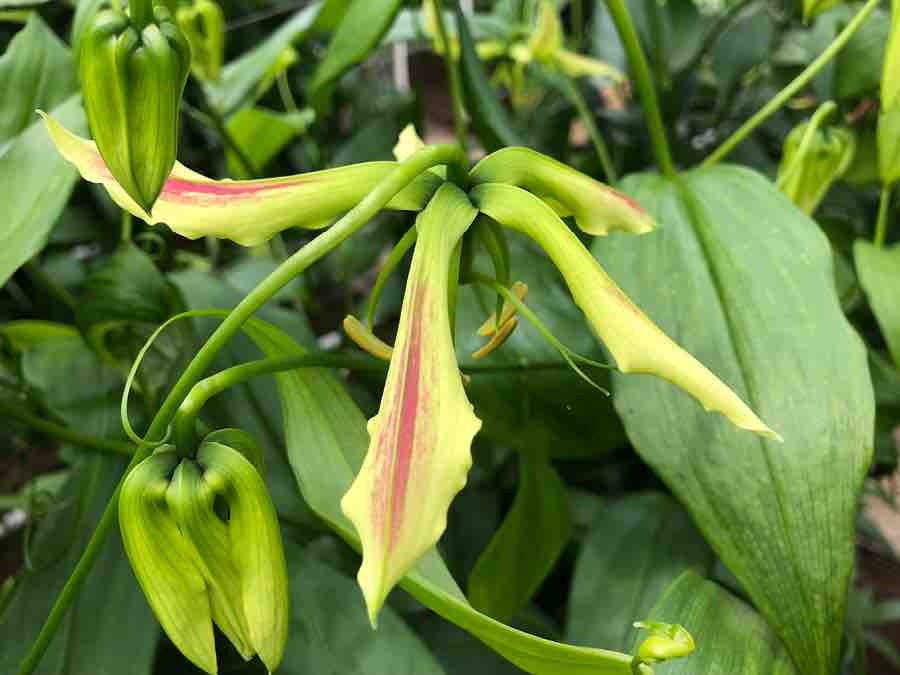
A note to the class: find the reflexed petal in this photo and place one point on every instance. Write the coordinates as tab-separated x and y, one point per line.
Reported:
597	208
247	212
635	342
419	448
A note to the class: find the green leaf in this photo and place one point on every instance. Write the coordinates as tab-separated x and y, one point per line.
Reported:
262	134
109	629
744	281
857	67
528	543
636	547
240	76
38	68
879	274
35	181
730	636
329	631
359	33
489	117
327	439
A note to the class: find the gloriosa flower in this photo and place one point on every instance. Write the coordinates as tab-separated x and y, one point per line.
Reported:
419	450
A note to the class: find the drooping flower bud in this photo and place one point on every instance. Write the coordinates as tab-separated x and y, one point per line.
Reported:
813	159
132	78
203	540
203	24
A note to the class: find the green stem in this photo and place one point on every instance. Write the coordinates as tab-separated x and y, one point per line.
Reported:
644	83
794	86
570	87
356	218
127	224
184	423
881	223
59	432
456	92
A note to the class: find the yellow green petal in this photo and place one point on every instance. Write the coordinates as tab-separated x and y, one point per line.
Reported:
597	208
635	342
419	442
247	212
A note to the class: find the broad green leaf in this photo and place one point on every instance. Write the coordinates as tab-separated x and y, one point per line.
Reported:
744	280
857	67
241	76
744	43
730	636
327	439
635	548
329	632
879	274
36	66
35	183
360	32
122	301
489	117
528	543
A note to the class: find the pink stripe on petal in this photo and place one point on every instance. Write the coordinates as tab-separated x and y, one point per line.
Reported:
181	188
409	411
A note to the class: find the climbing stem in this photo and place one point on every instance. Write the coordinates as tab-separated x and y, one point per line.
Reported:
640	70
356	218
184	423
794	86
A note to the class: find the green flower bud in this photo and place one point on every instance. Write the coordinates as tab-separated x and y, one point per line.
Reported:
255	542
203	540
812	160
666	641
203	24
132	79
